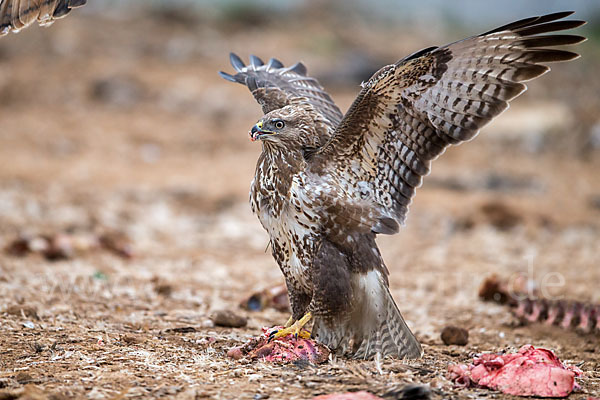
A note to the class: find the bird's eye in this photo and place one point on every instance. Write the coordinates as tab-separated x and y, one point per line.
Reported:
279	124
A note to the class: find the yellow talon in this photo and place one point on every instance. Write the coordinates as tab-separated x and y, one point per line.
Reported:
295	329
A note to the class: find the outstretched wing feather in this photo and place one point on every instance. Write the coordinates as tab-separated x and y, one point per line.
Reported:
275	86
408	113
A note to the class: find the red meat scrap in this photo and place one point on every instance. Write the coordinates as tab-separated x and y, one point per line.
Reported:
529	372
281	350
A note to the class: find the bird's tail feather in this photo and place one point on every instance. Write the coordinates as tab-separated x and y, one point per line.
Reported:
374	327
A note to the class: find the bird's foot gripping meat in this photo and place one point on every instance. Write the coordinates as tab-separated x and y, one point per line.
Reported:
296	329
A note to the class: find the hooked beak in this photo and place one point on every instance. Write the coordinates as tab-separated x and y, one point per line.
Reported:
257	132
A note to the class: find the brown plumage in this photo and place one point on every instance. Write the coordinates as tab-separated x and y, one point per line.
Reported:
18	14
326	185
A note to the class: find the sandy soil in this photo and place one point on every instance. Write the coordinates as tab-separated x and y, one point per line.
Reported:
115	126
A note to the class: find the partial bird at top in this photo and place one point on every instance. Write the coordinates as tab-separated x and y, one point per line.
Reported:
18	14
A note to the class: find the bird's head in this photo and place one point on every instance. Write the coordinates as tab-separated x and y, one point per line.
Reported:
287	126
269	129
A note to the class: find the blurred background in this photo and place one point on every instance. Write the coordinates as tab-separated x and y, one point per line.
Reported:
125	164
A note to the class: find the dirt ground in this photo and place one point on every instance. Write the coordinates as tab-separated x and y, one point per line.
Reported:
122	128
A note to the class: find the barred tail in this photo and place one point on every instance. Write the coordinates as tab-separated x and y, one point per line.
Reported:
374	327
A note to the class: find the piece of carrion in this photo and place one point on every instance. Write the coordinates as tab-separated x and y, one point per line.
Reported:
281	350
530	372
528	306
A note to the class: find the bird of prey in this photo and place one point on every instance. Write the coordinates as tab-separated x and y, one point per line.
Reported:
18	14
327	184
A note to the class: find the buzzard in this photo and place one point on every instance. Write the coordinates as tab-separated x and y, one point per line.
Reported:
327	183
18	14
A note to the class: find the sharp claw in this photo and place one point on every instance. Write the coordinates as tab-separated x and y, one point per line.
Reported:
295	330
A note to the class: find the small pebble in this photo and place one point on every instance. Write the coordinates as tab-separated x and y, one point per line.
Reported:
23	378
164	289
228	318
235	353
207	323
130	339
455	335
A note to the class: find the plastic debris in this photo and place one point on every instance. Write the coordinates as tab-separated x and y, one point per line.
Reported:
274	296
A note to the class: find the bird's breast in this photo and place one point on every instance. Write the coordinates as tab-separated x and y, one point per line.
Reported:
292	224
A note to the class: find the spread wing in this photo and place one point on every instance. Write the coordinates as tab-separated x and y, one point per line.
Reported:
18	14
275	86
409	112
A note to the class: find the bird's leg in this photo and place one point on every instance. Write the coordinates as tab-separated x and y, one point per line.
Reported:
295	329
289	322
